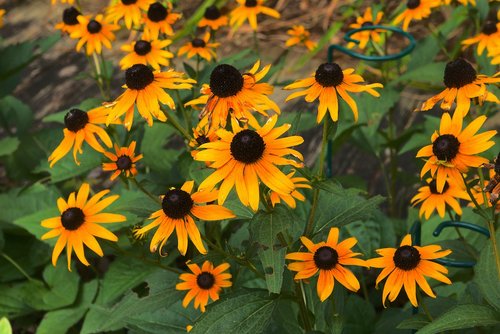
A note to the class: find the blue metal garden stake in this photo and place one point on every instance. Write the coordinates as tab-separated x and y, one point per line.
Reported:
353	54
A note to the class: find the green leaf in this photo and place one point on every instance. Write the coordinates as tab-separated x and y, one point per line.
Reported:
123	274
63	286
431	73
8	145
265	228
417	321
153	145
31	223
367	233
486	275
359	315
5	327
339	207
461	317
15	114
242	312
59	321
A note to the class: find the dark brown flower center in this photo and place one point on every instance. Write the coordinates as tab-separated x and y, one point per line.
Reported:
128	2
205	280
225	81
124	162
177	203
459	73
75	120
198	43
329	75
138	77
445	147
94	27
406	258
250	3
433	187
326	258
247	146
142	48
489	28
412	4
367	24
202	140
70	16
212	13
157	12
72	219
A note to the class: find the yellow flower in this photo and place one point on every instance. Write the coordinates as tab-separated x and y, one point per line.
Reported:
432	200
82	126
408	265
248	10
2	13
128	10
123	161
488	39
299	35
70	2
244	156
463	84
160	19
328	81
329	258
69	20
204	283
146	52
202	134
365	36
229	90
454	150
200	47
289	199
146	89
95	33
213	18
416	10
178	207
78	224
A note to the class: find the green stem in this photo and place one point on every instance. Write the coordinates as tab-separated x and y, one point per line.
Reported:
473	199
314	205
16	265
187	119
175	123
256	43
144	190
107	80
481	183
423	305
491	228
301	297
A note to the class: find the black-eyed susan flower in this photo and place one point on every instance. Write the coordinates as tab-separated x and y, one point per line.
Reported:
159	19
2	14
289	199
480	194
202	134
94	33
407	266
432	200
229	90
454	150
145	89
328	82
146	52
82	126
416	10
123	161
178	207
488	38
213	18
330	259
248	10
299	35
129	11
201	47
70	2
463	84
78	224
243	157
367	35
69	20
203	283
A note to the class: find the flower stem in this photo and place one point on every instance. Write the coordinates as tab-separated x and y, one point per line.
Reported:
15	264
144	190
473	199
301	297
187	119
175	123
491	228
256	43
421	302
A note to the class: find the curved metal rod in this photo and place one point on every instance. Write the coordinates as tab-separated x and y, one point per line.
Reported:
469	226
455	264
349	52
